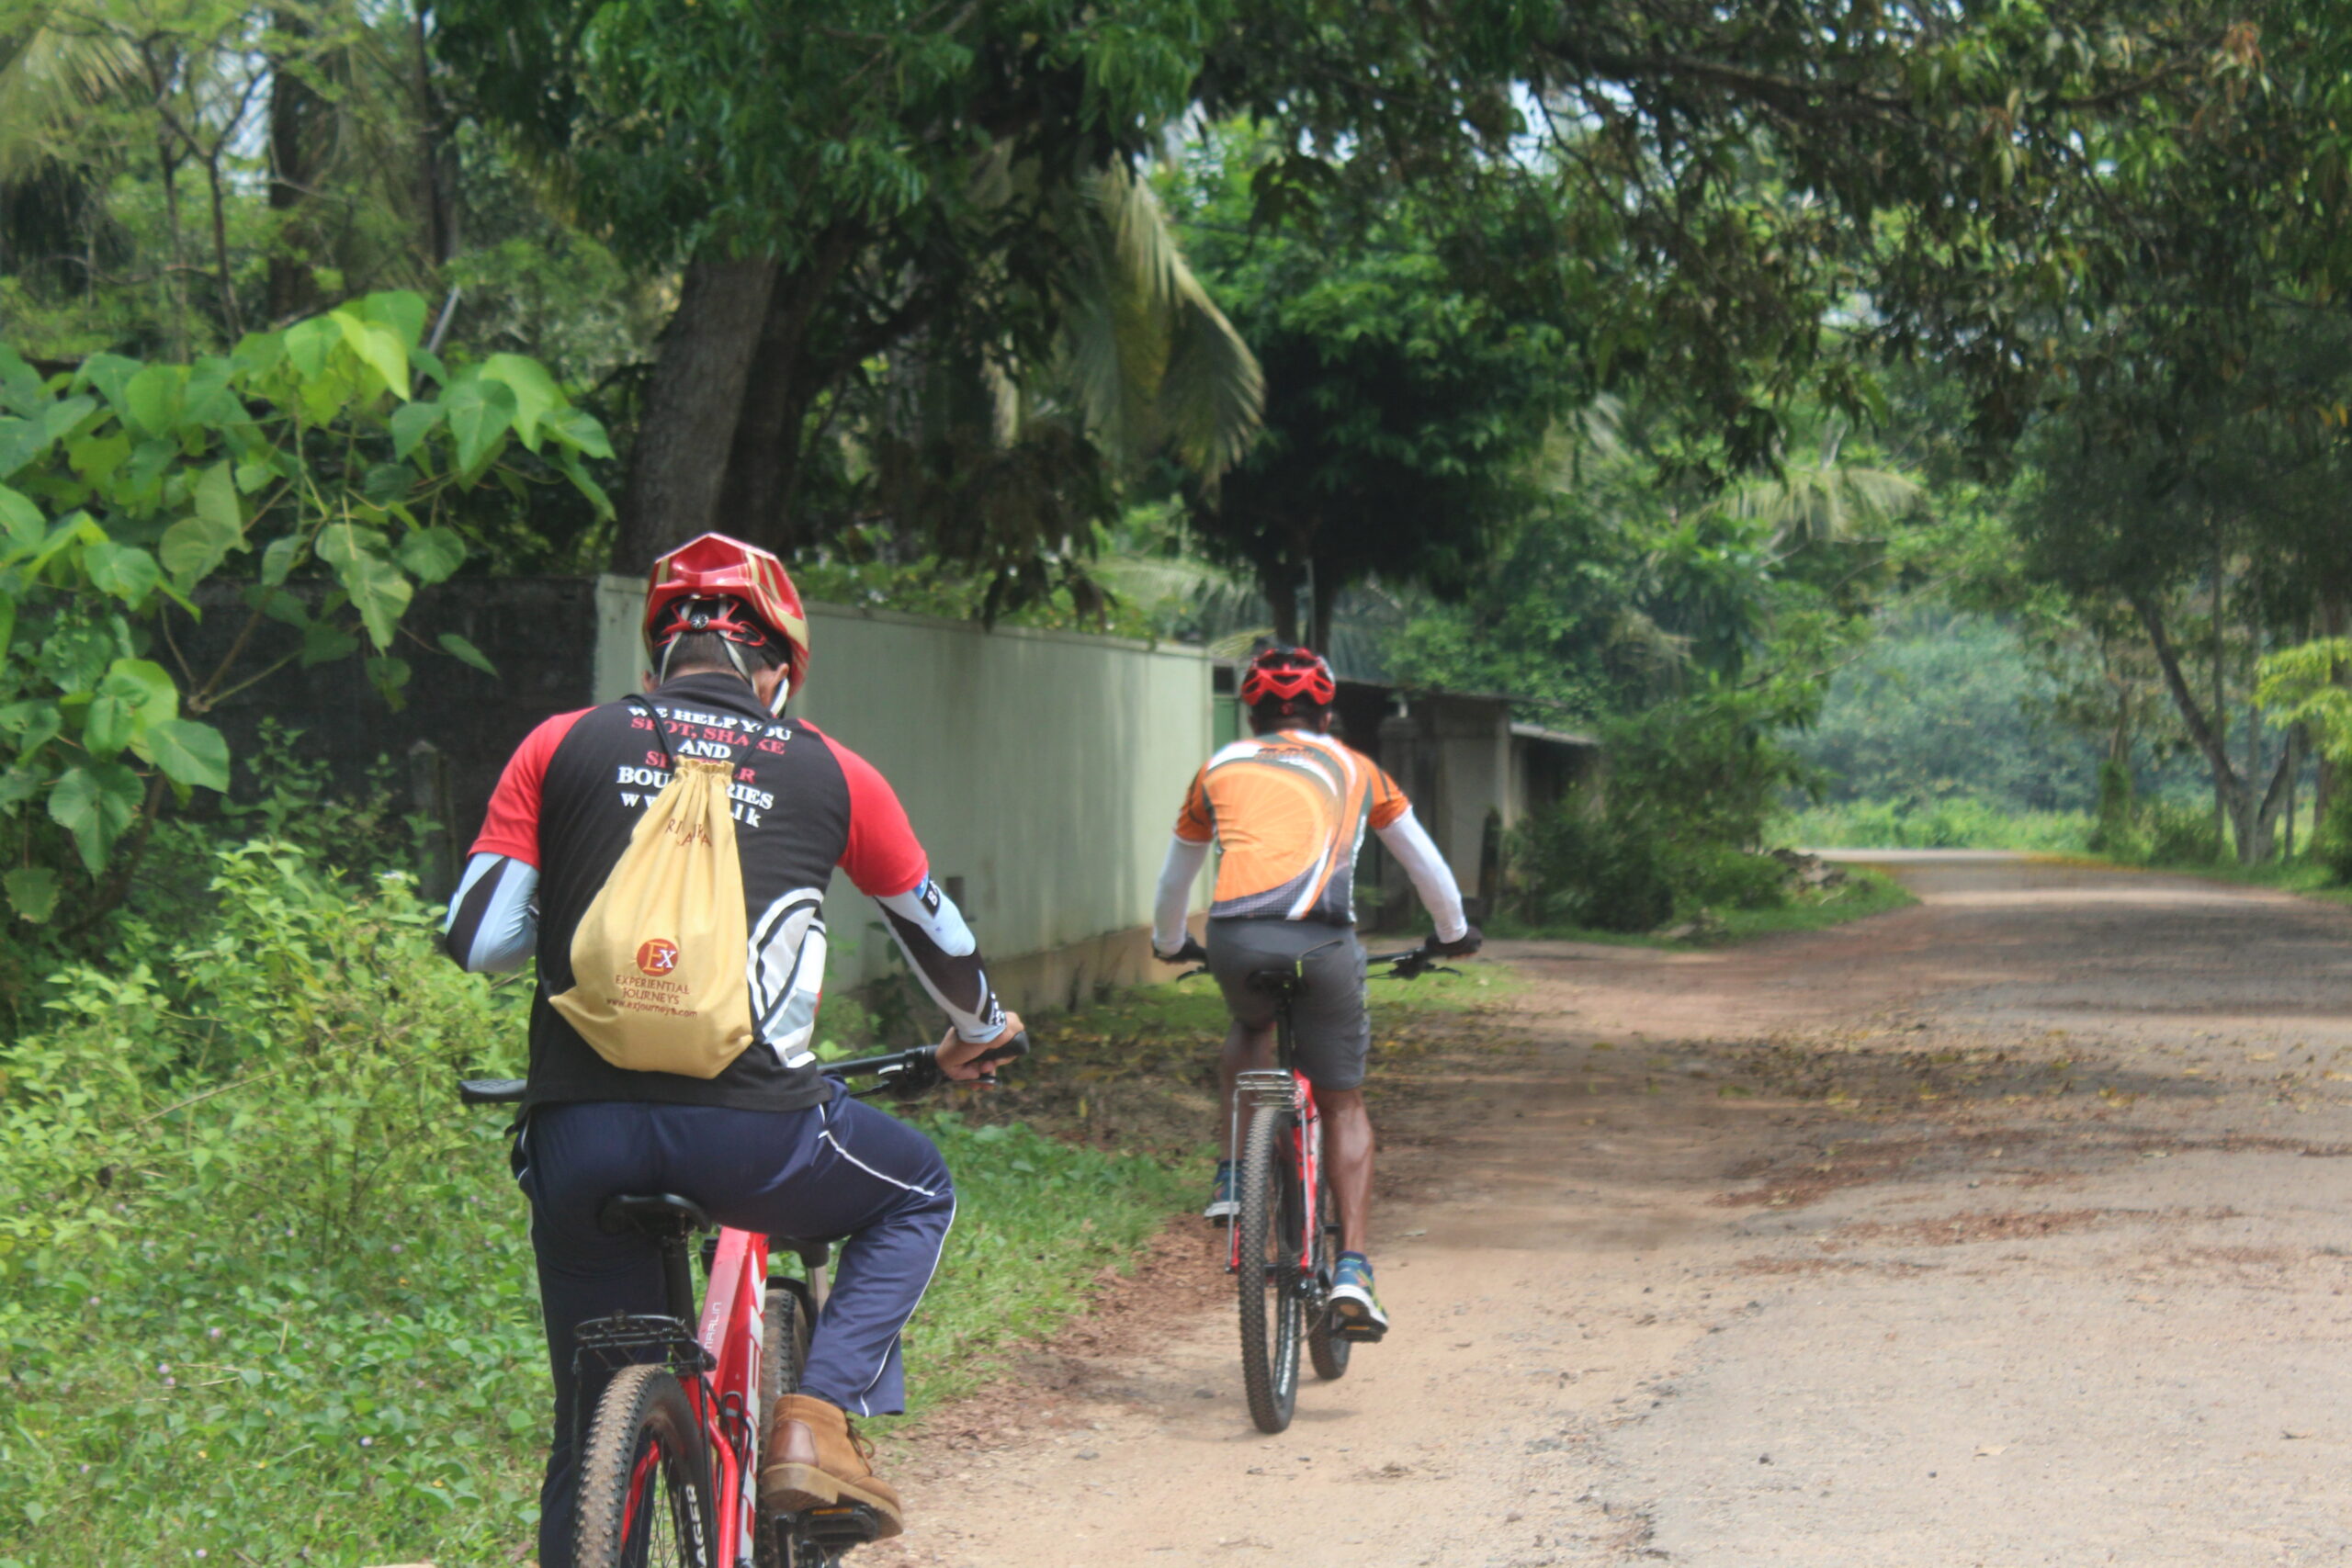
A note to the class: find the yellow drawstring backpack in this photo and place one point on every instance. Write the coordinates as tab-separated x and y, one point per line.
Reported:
658	982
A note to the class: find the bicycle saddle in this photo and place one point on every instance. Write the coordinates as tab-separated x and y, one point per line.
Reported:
1287	982
653	1213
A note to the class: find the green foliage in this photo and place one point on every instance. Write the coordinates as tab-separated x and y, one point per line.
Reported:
2305	686
329	451
1942	704
1416	352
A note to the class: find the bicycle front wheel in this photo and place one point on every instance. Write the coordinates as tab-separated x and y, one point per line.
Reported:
645	1497
1272	1307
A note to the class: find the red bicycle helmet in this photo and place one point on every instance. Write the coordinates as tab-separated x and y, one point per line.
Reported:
739	591
1286	674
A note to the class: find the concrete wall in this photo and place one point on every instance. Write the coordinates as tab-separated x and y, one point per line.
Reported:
1042	769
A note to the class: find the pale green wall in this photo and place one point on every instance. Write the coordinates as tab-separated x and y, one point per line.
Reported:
1044	769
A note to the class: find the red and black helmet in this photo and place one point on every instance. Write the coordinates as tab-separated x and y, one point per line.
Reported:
737	591
1288	674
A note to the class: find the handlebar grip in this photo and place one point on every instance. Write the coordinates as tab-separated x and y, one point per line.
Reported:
1010	1050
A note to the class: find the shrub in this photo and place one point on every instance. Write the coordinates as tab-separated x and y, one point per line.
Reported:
2331	838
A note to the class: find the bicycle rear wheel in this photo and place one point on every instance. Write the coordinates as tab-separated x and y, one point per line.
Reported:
1327	1349
1272	1307
645	1495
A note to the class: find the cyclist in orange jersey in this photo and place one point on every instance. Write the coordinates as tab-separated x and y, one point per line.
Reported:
1289	807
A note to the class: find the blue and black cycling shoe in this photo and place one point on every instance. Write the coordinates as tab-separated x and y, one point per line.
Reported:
1223	1201
1354	1309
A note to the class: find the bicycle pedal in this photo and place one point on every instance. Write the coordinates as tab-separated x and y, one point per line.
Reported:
851	1524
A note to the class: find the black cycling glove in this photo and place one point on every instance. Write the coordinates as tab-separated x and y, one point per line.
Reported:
1190	953
1463	946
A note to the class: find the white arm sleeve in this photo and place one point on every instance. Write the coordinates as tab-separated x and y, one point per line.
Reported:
945	957
493	922
1410	843
1176	873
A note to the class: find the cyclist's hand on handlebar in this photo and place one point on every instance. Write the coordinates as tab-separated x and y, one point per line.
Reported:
970	1061
1462	946
1190	953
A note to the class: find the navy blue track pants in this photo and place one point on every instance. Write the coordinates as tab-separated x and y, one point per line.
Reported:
840	1169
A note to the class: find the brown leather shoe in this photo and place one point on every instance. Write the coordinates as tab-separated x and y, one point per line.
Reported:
815	1459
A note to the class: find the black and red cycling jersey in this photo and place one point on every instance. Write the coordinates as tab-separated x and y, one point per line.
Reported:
803	803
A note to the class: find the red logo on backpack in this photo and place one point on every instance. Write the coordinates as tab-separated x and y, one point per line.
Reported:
659	956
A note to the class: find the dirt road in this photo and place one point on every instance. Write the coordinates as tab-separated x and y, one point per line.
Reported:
2012	1228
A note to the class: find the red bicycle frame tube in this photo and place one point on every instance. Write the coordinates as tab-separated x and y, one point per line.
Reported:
1305	1154
726	1402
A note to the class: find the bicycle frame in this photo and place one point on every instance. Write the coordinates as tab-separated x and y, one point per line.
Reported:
726	1397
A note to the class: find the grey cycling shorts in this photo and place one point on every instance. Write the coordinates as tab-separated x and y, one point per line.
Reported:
1333	1035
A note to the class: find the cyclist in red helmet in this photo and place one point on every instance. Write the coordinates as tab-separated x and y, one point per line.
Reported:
768	1144
1289	807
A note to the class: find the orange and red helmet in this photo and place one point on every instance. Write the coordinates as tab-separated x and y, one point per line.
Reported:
736	591
1288	674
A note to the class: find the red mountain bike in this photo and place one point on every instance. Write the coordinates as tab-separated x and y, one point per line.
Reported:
1284	1246
669	1463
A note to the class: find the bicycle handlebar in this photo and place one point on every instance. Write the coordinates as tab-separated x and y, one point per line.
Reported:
904	1073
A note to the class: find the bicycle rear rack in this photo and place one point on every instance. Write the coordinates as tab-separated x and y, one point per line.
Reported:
1266	1086
608	1344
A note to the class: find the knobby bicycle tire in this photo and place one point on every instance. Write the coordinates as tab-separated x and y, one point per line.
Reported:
633	1513
1270	1299
1327	1349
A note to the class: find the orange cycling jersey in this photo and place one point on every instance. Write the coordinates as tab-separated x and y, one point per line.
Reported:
1290	809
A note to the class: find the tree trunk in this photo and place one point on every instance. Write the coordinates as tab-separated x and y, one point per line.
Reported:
435	188
176	282
1321	608
1279	583
301	123
677	469
762	476
2220	708
2230	797
232	320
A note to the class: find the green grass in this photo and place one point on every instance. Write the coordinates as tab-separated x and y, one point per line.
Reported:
1864	893
2307	877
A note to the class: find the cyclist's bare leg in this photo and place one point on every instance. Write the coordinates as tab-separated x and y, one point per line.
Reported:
1347	1149
1247	1050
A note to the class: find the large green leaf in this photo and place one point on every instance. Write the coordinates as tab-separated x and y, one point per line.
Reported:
380	593
192	755
95	801
340	543
108	724
153	399
430	554
146	685
379	347
398	309
412	425
21	385
22	522
308	344
279	559
21	441
578	427
124	572
192	547
32	893
323	642
479	413
535	391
